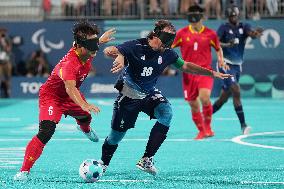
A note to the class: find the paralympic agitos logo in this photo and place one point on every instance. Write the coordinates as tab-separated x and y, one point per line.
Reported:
46	45
270	38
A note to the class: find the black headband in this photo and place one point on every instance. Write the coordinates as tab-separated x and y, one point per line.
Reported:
90	44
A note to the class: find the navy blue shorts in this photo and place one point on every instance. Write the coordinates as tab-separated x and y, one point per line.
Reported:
235	70
126	110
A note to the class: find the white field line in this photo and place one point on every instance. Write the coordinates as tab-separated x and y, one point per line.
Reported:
261	182
125	180
7	166
10	119
238	140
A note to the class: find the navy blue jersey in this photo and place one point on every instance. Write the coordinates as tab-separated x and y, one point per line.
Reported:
227	32
144	65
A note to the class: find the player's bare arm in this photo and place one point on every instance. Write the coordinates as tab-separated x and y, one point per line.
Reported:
231	43
74	94
111	51
107	36
220	58
192	68
118	63
256	33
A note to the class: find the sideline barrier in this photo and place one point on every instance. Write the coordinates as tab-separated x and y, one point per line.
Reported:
99	86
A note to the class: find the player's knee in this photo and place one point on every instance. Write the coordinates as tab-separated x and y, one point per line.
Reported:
205	101
163	112
84	121
46	130
115	137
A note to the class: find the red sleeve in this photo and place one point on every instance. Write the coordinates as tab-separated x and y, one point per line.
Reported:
215	41
178	39
68	71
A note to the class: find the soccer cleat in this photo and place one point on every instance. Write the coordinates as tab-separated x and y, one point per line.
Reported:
147	164
209	133
201	135
246	130
103	166
92	135
22	176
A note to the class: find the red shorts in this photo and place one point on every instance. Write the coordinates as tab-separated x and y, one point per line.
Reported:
192	83
52	108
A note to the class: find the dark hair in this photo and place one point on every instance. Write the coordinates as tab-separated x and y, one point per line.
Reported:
84	28
160	25
195	8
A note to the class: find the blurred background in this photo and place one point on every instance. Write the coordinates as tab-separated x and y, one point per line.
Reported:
35	34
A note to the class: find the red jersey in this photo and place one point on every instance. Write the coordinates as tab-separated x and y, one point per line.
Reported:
69	68
195	46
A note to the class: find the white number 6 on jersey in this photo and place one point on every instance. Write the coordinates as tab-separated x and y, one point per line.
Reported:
50	110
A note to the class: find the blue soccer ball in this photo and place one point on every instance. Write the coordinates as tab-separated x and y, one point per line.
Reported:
90	170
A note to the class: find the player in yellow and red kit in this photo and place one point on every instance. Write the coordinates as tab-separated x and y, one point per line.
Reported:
195	42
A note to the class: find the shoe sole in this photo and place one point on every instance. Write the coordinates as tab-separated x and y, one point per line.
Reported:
247	131
94	140
146	170
207	136
21	179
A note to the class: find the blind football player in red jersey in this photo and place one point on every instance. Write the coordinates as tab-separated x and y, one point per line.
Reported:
195	42
60	94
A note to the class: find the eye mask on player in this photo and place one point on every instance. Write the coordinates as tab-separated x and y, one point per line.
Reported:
194	17
90	44
166	38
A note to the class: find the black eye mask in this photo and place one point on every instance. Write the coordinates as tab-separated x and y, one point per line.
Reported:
194	17
166	38
90	44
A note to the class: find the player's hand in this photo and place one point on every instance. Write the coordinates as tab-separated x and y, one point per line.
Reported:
232	43
221	75
223	65
107	36
118	64
111	51
259	31
90	108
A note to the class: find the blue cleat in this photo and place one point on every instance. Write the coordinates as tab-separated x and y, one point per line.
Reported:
92	135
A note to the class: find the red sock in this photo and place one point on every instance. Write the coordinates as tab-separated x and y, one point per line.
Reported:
33	152
85	128
207	114
198	120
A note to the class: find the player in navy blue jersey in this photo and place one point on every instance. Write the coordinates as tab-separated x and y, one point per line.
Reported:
233	36
144	61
